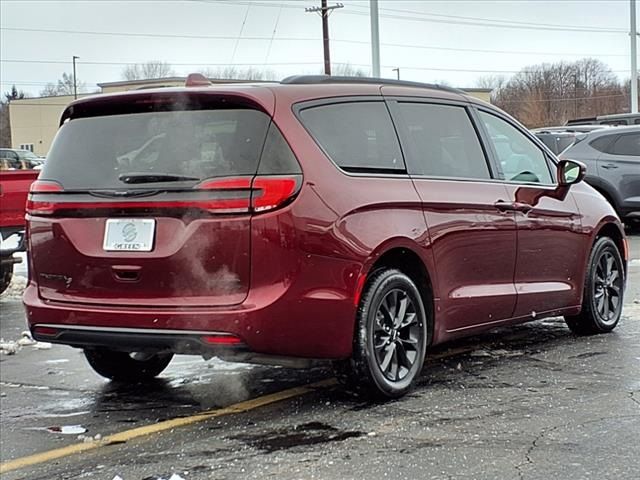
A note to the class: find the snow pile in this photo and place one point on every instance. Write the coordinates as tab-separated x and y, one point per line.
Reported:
11	347
15	289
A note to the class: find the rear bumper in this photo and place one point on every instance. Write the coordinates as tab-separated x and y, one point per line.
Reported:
284	320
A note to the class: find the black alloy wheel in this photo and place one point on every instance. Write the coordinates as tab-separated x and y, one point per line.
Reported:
390	338
603	296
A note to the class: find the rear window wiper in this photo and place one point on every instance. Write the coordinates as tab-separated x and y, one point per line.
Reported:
131	178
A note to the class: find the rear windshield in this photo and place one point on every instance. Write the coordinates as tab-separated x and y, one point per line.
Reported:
97	152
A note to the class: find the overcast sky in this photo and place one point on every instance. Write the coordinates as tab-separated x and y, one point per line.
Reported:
451	41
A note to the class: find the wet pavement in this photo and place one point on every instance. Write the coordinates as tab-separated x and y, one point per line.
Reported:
531	401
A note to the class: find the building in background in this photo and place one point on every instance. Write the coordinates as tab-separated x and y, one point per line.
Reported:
35	121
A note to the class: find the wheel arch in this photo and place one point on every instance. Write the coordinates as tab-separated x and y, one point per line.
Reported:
614	231
402	255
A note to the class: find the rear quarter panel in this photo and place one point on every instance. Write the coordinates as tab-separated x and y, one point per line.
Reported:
342	224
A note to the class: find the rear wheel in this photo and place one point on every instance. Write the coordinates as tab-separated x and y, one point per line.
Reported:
6	274
390	338
603	291
127	367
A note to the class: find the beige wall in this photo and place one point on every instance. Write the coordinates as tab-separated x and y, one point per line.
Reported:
35	120
479	94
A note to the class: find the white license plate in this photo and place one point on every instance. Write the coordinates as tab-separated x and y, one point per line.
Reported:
129	234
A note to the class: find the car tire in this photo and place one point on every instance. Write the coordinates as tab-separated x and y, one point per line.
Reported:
603	296
127	367
390	339
6	274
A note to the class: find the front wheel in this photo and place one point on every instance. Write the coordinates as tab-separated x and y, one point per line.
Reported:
603	291
127	367
390	339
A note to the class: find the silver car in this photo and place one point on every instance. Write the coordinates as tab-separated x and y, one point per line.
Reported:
612	157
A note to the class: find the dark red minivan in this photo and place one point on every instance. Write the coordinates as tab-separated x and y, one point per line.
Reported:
358	220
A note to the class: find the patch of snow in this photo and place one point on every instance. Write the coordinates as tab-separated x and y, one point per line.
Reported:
59	360
15	289
67	429
9	348
26	339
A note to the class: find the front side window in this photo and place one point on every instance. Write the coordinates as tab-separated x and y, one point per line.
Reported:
357	136
627	145
442	142
520	159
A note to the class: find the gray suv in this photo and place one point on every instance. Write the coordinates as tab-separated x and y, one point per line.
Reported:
612	157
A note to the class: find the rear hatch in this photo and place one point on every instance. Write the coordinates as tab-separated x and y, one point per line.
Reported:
149	202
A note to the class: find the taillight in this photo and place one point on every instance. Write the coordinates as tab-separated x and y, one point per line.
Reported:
228	195
272	192
42	207
46	186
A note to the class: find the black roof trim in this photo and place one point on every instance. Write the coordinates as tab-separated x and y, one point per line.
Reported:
328	79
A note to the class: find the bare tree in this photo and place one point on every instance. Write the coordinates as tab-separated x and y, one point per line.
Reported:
63	87
148	70
347	70
5	121
234	73
494	82
550	94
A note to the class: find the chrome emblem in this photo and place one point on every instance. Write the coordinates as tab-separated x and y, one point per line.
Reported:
129	232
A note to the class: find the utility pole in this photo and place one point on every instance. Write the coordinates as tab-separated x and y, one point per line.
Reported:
397	70
634	60
75	83
324	12
375	39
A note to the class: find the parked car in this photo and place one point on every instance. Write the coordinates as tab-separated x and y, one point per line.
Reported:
15	159
615	119
612	157
14	187
558	141
358	220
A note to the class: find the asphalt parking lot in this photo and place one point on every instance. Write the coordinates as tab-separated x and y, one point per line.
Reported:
531	401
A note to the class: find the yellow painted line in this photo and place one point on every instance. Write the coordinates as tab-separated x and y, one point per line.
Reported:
162	426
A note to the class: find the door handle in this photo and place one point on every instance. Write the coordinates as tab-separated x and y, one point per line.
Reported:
512	206
609	166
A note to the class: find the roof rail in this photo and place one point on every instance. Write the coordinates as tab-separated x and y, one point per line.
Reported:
328	79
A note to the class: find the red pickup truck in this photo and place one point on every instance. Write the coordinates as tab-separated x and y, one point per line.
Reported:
14	188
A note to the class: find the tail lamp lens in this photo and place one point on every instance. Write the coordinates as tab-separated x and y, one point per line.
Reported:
236	195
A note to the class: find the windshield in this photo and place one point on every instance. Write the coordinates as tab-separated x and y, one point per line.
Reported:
103	152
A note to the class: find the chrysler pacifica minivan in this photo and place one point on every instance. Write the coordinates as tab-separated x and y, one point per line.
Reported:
357	220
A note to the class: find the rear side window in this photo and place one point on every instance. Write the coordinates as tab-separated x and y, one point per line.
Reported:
95	152
601	143
358	136
277	157
442	141
628	145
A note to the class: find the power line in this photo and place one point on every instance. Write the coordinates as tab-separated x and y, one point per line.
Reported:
309	39
508	23
447	19
154	35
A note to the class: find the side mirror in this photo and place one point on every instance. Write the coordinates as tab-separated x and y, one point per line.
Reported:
570	172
